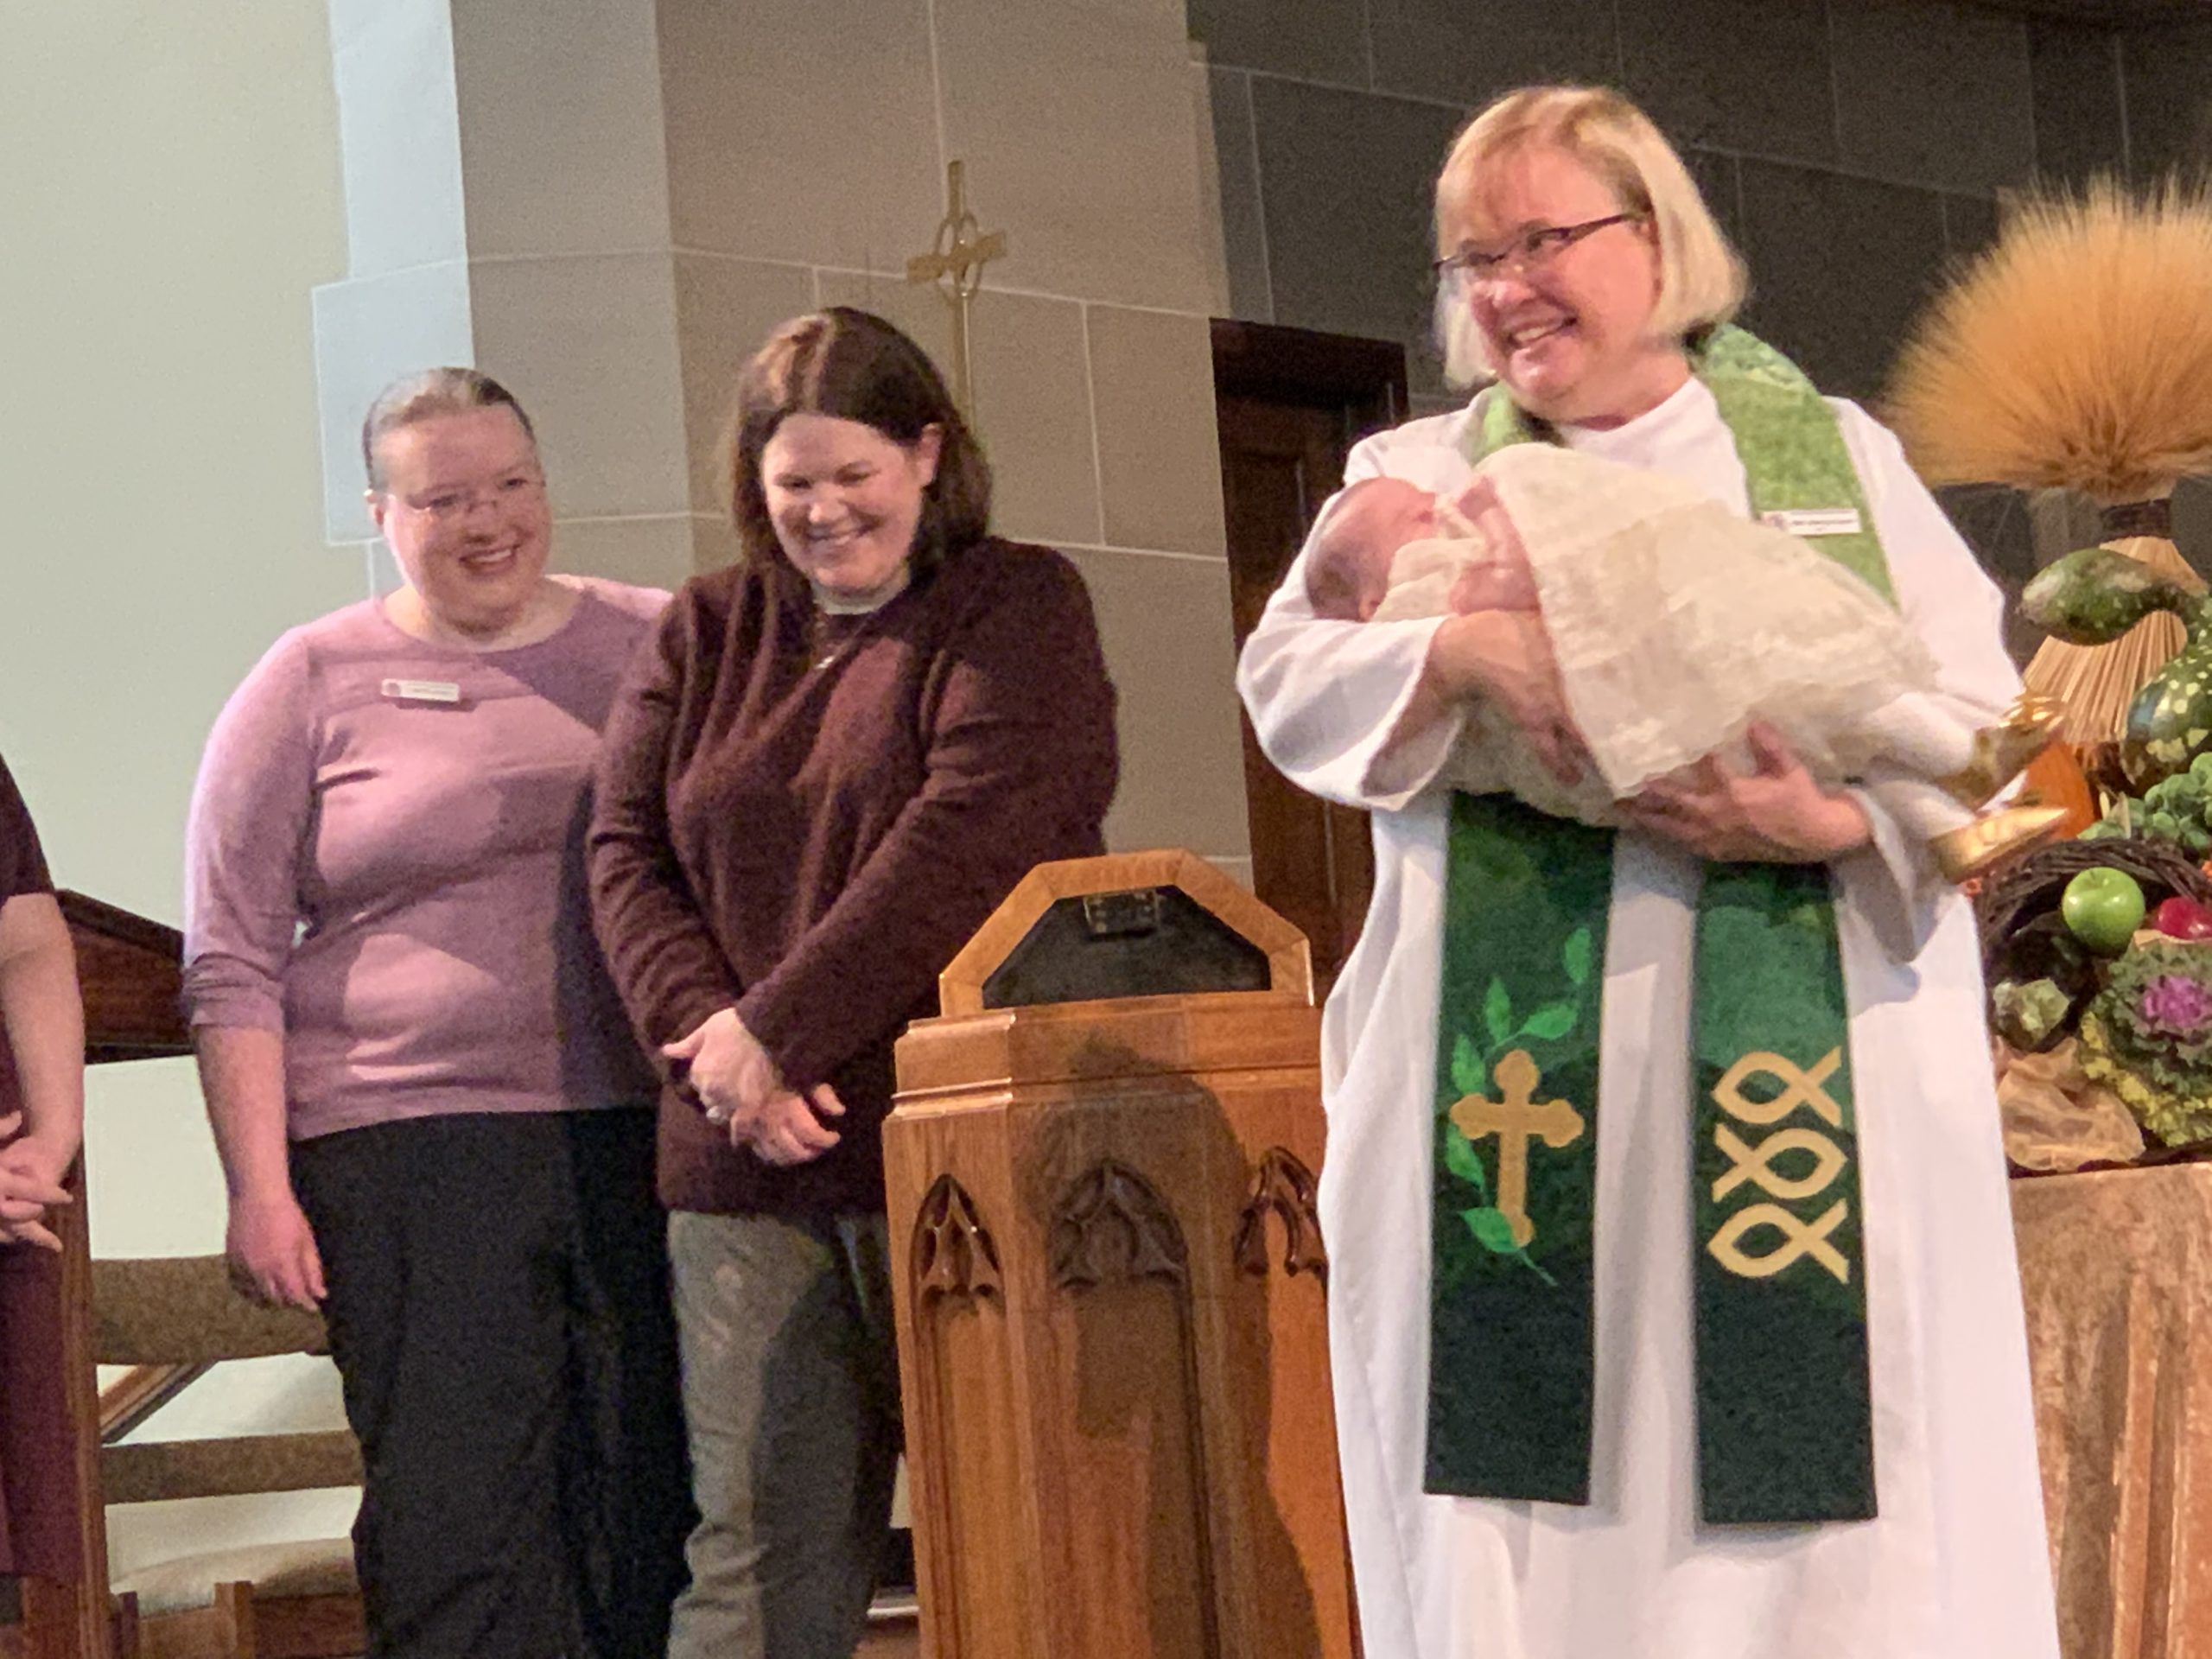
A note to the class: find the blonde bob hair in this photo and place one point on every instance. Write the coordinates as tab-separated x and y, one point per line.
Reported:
1702	281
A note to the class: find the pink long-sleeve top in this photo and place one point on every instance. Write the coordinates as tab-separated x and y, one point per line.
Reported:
385	863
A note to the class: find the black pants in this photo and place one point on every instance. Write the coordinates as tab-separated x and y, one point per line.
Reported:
498	1311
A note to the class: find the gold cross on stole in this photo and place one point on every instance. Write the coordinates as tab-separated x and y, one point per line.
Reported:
955	265
1516	1120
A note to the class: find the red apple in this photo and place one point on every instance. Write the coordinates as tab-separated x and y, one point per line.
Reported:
2183	919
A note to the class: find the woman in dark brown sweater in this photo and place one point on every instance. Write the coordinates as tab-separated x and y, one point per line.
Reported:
829	766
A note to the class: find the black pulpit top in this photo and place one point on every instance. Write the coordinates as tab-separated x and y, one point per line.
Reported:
1163	923
1147	941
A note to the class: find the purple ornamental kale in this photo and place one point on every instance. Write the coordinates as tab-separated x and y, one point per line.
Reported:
2176	1004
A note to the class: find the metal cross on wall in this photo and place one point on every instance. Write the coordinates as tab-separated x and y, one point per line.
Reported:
955	265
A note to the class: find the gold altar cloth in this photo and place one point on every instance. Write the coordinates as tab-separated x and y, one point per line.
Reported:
2116	1268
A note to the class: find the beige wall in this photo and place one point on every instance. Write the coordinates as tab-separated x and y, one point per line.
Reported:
170	194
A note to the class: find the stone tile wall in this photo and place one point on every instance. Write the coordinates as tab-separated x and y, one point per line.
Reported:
2167	99
1852	148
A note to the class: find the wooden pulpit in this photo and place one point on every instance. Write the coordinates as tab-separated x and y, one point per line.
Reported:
131	972
1110	1280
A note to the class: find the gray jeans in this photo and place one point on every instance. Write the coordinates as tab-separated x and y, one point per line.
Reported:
790	1392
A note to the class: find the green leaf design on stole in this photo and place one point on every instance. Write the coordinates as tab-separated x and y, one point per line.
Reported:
1494	1232
1552	1021
1460	1157
1497	1014
1470	1070
1575	957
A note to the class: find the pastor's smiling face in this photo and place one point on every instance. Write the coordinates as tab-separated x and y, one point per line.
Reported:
1569	334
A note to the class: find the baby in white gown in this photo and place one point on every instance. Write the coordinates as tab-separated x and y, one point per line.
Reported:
1675	625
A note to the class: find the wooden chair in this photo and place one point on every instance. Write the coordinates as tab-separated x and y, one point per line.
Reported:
173	1320
169	1321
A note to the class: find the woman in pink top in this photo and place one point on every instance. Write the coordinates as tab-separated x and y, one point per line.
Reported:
433	1122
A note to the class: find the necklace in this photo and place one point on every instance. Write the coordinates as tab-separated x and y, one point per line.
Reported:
822	648
837	618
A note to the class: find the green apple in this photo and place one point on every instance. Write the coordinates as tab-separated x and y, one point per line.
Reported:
2102	908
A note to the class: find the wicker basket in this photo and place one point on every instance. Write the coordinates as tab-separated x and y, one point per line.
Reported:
2034	883
2018	913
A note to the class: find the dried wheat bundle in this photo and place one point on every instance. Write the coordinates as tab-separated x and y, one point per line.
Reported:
2076	352
2097	682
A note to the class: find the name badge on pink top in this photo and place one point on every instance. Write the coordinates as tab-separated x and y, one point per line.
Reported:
421	690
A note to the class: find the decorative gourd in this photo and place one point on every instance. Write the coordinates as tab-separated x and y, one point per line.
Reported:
2093	597
2056	778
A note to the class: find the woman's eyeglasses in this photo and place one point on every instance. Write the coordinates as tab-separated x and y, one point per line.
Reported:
1531	251
451	504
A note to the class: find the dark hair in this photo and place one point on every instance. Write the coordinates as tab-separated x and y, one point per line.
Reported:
425	395
853	365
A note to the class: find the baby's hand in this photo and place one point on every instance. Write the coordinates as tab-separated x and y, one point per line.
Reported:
1502	582
1493	588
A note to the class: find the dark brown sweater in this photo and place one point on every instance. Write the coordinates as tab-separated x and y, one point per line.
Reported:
812	843
23	869
38	1474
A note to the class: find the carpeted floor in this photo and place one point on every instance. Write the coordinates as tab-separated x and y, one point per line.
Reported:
899	1642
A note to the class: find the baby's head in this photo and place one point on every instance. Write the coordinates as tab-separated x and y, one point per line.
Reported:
1348	572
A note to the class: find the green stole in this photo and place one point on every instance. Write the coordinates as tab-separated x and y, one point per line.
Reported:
1784	1421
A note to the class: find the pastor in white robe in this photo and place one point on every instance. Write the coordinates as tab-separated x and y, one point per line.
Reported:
1956	1566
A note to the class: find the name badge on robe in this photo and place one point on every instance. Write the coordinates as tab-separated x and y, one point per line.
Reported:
1814	521
421	690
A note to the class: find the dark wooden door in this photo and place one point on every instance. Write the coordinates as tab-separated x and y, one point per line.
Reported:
1290	405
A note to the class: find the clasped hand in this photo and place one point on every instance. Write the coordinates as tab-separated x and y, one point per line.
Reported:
738	1084
30	1186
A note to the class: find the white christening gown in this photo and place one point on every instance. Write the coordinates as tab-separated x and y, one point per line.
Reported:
1675	623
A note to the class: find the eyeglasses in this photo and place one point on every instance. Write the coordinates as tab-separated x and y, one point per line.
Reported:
455	505
1531	251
